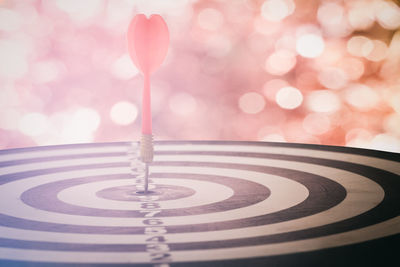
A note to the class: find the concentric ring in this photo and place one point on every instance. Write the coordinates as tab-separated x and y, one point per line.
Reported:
285	198
129	192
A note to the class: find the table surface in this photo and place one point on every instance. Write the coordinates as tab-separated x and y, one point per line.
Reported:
212	203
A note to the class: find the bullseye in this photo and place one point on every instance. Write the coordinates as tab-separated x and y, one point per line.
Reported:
130	193
85	195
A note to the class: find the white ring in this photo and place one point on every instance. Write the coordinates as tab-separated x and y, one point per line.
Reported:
84	195
280	187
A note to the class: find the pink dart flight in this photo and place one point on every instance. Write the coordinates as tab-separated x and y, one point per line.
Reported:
148	41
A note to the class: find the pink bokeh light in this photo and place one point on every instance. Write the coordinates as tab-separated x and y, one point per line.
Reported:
324	72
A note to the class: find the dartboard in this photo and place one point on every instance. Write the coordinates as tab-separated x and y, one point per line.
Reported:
210	203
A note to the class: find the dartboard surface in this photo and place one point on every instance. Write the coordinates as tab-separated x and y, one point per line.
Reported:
211	203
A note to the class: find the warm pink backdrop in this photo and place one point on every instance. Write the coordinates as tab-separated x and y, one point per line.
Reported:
324	72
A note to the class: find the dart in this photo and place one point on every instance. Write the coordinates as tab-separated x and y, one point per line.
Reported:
148	41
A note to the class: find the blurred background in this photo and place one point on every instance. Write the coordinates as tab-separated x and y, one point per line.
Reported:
304	71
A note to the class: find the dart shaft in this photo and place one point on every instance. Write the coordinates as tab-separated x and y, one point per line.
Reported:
146	155
146	106
146	178
146	148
